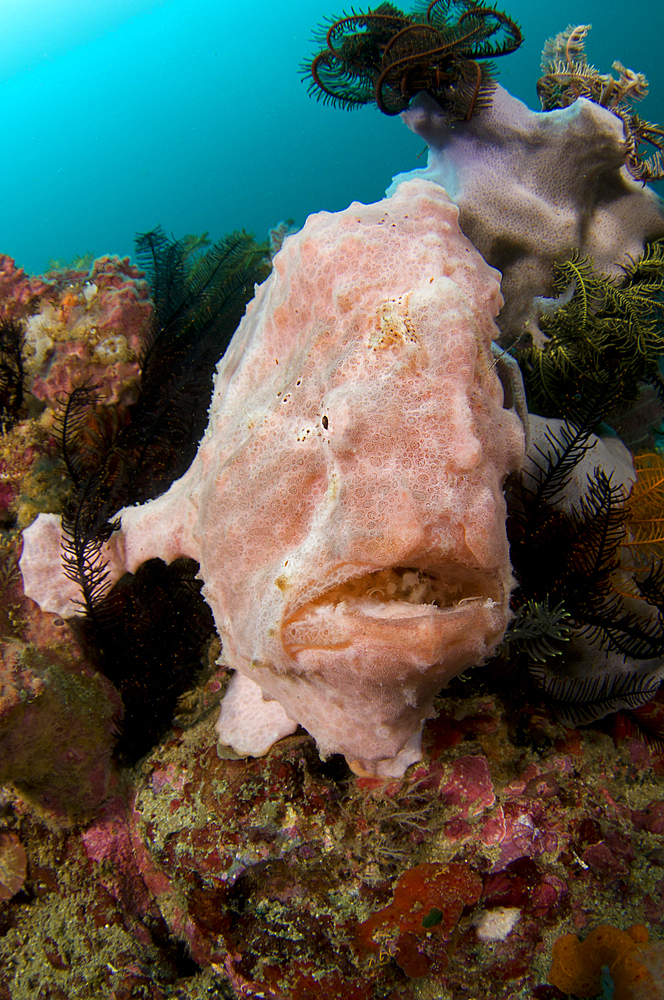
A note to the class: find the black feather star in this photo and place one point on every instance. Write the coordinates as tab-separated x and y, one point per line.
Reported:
609	630
581	700
604	344
148	632
199	301
387	57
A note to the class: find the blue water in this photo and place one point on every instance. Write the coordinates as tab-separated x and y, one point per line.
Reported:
119	115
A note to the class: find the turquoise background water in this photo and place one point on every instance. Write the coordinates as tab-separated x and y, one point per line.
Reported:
120	115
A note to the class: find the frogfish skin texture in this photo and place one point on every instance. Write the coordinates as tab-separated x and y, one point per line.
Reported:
346	503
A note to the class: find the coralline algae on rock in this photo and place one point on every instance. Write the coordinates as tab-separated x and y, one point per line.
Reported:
346	504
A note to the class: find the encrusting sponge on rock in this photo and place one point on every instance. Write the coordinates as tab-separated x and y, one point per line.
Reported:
345	505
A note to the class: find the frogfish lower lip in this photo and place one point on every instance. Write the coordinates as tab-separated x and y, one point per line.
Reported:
372	652
408	609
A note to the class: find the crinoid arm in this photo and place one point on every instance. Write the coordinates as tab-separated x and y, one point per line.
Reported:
567	47
651	587
578	701
567	75
576	597
644	546
640	134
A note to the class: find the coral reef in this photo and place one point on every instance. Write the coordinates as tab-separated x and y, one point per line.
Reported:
155	625
58	716
18	291
500	838
286	876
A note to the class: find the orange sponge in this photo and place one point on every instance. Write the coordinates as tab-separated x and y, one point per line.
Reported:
577	965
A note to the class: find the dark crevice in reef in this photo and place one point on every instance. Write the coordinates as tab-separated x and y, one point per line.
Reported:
149	638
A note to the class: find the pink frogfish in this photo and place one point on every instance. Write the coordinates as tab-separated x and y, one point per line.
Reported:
345	504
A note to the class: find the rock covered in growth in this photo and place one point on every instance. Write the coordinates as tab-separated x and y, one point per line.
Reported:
287	881
346	504
18	290
88	326
535	187
77	325
58	715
